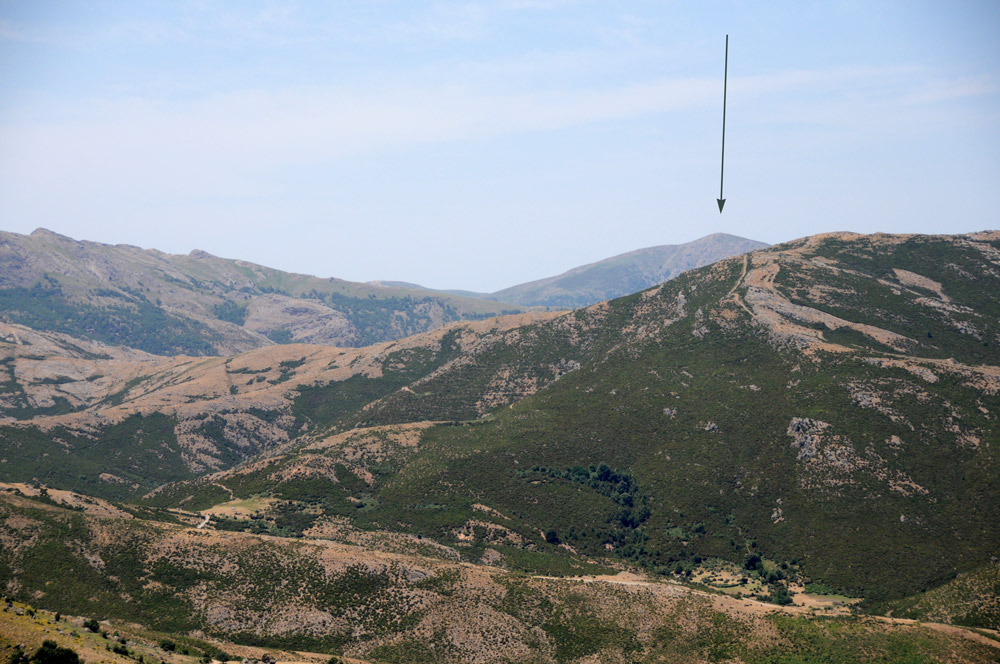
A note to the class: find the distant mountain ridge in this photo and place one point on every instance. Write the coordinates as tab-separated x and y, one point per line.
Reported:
616	276
200	304
626	273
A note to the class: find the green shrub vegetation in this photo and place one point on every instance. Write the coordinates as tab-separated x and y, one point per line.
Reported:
280	336
135	322
133	448
52	653
231	312
674	446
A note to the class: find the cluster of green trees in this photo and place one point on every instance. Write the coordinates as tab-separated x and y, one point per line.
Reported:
383	319
231	312
623	529
619	486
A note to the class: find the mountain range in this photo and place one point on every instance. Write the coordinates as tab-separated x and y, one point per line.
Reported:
815	419
613	277
626	273
199	304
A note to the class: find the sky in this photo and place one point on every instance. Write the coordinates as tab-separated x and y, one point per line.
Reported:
478	145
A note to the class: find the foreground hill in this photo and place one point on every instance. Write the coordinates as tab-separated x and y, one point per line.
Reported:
821	412
389	601
200	304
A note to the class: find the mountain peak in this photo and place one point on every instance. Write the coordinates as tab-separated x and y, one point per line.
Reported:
626	273
44	232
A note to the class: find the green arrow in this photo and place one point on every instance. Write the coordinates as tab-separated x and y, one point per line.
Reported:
725	76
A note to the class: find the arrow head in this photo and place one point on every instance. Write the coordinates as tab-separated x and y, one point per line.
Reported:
721	202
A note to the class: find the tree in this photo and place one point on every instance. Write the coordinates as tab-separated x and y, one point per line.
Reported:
92	625
52	653
780	596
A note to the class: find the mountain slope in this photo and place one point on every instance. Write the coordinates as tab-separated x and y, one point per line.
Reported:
626	273
824	408
200	304
115	422
829	403
388	601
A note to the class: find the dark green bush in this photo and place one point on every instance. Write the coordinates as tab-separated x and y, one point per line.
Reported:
52	653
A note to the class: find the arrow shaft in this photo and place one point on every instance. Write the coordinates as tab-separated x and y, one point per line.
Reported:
725	77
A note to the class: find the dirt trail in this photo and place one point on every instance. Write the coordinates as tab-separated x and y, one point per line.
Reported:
207	518
622	579
947	629
731	295
740	280
226	489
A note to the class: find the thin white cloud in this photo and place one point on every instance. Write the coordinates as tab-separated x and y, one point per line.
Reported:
143	32
950	89
179	144
121	159
269	129
7	31
447	22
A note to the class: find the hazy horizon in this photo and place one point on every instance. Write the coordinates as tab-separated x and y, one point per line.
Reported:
478	145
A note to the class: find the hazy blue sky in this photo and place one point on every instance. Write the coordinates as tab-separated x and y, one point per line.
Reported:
482	144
